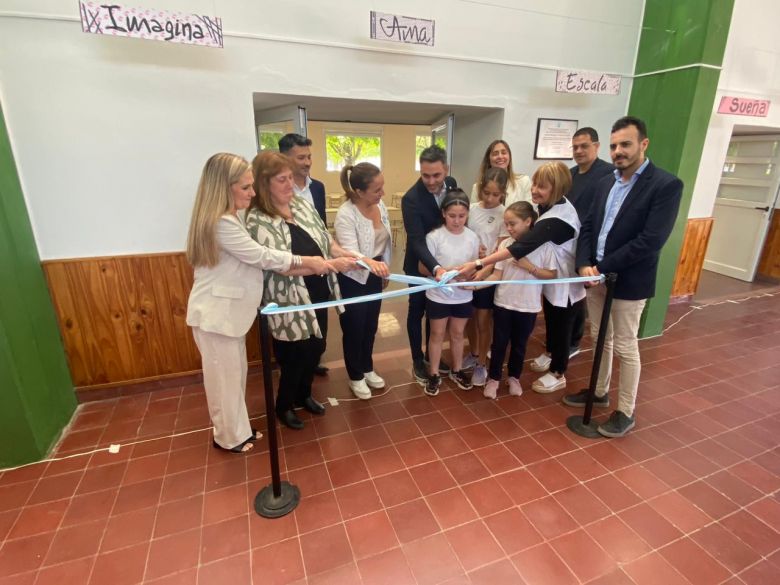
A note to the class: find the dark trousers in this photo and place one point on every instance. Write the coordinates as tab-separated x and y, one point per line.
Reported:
511	328
578	328
297	360
414	325
359	324
559	322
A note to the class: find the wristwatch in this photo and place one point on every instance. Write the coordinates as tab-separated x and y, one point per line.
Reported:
478	263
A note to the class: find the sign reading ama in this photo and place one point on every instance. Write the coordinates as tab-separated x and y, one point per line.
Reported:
146	23
402	29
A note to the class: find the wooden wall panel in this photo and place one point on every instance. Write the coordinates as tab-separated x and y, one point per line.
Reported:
694	247
769	265
123	319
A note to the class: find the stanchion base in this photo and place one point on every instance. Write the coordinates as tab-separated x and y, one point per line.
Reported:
588	431
268	506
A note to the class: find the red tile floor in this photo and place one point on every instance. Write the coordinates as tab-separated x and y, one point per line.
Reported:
409	489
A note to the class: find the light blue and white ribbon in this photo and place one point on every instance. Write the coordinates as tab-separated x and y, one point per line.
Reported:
419	284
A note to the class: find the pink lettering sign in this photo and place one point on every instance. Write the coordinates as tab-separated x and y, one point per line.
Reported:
144	23
738	106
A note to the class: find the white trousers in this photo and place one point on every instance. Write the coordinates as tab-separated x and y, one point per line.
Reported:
224	377
622	338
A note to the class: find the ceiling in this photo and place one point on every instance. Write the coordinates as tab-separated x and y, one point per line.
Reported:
333	109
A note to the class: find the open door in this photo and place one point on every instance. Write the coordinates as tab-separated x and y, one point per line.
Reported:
274	123
442	133
744	204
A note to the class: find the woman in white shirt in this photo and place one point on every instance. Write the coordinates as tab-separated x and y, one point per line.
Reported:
363	228
499	155
227	290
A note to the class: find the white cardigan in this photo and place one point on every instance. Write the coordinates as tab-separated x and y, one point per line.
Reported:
355	233
224	298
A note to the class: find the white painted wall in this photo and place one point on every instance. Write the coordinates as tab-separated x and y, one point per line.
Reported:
751	68
110	133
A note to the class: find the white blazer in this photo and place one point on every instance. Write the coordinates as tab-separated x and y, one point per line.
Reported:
224	298
355	233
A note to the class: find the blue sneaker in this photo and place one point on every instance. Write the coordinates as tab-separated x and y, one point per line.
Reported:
479	377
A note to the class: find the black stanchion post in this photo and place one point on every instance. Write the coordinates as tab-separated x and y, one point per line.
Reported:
281	497
583	426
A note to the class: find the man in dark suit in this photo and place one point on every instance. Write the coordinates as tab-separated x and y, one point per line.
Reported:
631	218
298	149
421	213
584	177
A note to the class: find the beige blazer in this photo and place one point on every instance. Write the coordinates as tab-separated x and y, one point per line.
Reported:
224	298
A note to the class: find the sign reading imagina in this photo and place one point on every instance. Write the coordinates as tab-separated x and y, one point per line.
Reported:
402	29
145	23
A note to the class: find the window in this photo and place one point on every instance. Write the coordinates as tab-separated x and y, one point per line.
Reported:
350	149
268	135
422	141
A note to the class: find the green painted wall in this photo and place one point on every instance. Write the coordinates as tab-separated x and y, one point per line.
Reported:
677	106
36	393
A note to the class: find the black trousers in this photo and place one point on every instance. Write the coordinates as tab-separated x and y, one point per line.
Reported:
578	328
510	328
297	360
359	323
414	325
559	323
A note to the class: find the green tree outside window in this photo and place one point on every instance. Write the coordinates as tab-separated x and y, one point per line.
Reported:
351	149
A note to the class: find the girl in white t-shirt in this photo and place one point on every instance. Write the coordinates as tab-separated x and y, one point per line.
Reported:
486	219
516	305
448	310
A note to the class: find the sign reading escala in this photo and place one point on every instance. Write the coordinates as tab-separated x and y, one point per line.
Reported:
743	106
587	82
144	23
402	29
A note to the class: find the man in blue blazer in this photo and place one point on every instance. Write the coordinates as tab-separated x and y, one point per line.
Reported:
632	215
298	149
421	214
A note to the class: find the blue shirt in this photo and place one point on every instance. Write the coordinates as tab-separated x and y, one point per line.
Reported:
617	196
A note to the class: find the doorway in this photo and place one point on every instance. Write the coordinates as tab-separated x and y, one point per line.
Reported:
388	134
745	207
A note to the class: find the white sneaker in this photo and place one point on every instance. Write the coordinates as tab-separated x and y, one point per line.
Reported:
360	389
374	380
469	361
541	363
548	383
491	389
515	389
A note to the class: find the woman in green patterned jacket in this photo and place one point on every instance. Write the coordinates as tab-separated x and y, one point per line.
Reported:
281	221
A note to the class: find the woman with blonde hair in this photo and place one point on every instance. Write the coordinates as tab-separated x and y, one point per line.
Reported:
558	224
499	155
227	290
280	220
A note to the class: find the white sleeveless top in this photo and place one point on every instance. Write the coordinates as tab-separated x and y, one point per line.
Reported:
560	295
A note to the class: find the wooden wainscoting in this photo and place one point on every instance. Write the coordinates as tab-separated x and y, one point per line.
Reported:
694	247
123	318
769	265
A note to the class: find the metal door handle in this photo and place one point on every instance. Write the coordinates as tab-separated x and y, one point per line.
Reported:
762	208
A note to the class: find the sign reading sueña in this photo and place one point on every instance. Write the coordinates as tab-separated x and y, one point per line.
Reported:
587	82
740	106
147	23
402	29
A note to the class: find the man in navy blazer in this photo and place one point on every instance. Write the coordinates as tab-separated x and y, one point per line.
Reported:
421	214
298	148
632	215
